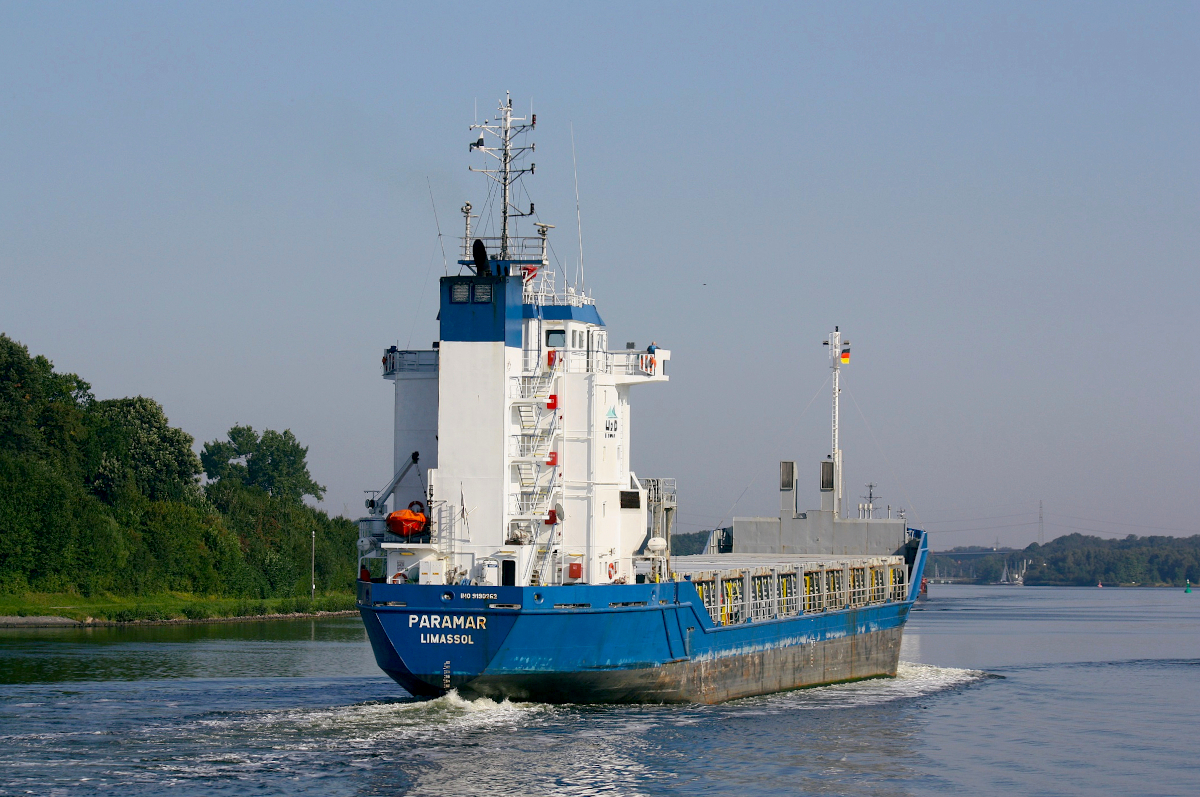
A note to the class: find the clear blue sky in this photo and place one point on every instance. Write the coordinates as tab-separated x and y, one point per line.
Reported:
227	207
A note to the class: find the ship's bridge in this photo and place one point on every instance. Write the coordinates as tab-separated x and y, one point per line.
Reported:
522	304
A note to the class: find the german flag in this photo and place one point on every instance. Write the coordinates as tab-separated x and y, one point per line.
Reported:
846	354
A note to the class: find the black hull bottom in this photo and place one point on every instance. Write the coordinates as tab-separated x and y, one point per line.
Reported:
849	658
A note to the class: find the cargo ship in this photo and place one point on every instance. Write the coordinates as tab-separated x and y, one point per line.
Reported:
515	554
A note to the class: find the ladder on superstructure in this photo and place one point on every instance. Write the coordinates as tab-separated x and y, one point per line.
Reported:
535	456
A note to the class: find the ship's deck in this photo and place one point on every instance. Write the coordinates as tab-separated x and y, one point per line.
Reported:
699	563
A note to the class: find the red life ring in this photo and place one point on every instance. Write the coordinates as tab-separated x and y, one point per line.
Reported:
419	507
612	570
399	578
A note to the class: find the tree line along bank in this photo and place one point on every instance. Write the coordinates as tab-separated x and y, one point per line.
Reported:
1079	560
105	497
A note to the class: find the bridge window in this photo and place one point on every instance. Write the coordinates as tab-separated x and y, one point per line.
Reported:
556	338
460	292
483	293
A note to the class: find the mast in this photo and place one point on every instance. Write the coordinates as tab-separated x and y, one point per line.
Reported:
839	353
506	127
506	172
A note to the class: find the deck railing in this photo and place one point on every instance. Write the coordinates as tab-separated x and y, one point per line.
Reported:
522	249
571	361
766	593
396	361
583	361
532	444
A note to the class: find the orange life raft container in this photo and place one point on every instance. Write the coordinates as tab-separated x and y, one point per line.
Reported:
408	522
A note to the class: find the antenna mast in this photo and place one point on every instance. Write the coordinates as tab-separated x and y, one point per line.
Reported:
505	128
578	218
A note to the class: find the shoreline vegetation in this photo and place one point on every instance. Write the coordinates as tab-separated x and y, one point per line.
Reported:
104	513
52	609
1077	560
18	621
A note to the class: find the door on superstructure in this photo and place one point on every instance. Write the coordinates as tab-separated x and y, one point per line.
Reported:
508	572
596	349
532	346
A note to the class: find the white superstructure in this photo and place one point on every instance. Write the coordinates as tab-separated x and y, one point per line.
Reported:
521	418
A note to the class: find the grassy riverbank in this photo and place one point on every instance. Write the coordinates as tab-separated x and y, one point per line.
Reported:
164	606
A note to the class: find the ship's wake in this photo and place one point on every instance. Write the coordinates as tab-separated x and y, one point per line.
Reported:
444	746
912	681
398	720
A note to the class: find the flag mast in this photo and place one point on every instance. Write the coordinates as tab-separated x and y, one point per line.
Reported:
839	354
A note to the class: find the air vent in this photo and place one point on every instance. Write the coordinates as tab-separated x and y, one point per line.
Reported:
827	474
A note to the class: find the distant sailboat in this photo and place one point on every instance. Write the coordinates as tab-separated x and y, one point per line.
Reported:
1014	577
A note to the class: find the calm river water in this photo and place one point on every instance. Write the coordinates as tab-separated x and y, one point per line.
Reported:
1014	690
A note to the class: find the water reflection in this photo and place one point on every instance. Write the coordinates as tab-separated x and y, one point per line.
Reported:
289	648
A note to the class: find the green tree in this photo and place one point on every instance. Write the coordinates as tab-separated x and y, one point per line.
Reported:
103	496
226	460
41	412
274	462
157	457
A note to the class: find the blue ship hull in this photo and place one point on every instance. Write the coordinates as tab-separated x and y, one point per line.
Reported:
635	643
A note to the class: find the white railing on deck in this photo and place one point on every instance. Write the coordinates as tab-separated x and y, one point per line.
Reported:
534	444
535	502
524	248
530	387
659	490
567	361
541	288
635	362
578	361
410	362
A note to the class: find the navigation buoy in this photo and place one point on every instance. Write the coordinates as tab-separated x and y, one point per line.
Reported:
1188	586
